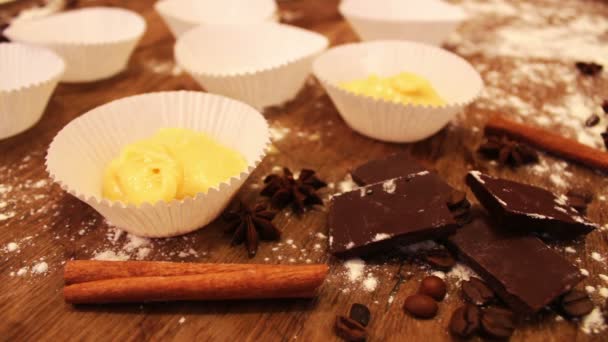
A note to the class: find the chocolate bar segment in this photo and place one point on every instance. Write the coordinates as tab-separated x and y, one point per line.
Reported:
394	166
525	207
523	271
377	217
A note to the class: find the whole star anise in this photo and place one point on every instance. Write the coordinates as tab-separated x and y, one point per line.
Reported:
507	152
300	193
250	225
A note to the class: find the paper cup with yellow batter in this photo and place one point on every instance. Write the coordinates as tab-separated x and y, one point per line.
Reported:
454	79
262	64
81	151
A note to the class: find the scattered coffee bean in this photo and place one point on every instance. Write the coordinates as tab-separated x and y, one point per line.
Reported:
360	313
421	306
592	120
440	259
605	138
589	68
465	321
477	292
497	322
605	106
433	287
576	303
349	329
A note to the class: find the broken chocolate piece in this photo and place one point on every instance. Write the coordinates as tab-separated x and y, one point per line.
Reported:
360	313
525	207
575	303
497	323
394	166
465	321
522	270
589	68
476	292
396	212
349	329
400	165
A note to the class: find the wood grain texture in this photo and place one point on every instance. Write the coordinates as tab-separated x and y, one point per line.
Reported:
60	227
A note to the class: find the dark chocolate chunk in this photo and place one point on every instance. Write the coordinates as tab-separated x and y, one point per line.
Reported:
440	259
525	207
349	329
522	270
589	68
476	292
465	321
394	166
497	323
400	165
420	306
398	211
360	313
575	303
433	287
592	120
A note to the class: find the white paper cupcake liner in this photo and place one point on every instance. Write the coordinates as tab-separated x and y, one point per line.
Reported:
94	42
455	80
428	21
29	76
184	15
262	64
80	152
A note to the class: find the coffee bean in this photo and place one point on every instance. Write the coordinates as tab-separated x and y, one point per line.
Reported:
349	329
576	303
477	292
605	138
433	287
360	313
465	320
592	120
589	68
421	306
497	322
440	259
605	106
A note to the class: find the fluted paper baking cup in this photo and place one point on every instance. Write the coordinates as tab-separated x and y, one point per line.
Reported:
429	21
94	42
454	79
29	76
184	15
262	64
81	151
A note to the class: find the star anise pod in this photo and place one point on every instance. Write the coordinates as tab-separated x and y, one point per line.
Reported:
589	68
507	152
250	225
300	193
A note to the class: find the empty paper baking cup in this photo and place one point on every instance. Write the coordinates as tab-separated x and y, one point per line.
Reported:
263	64
80	152
454	79
28	77
95	42
429	21
184	15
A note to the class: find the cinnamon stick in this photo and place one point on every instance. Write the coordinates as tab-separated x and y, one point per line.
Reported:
551	142
219	282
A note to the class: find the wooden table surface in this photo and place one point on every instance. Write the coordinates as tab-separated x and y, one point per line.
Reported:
51	226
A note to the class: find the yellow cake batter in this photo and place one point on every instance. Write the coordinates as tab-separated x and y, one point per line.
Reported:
173	164
406	88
